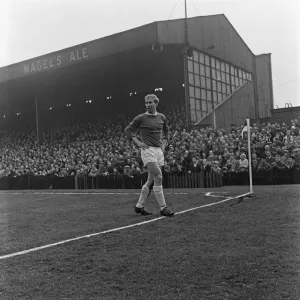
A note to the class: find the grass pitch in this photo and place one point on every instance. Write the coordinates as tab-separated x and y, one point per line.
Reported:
246	250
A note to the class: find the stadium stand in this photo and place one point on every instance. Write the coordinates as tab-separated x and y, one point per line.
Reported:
93	147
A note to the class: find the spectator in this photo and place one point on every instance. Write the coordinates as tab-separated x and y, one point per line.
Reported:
215	167
296	156
255	165
278	165
186	160
194	167
285	157
243	164
288	138
231	164
206	165
290	164
269	158
263	165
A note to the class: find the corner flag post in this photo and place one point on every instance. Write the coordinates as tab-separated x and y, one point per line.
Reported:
249	151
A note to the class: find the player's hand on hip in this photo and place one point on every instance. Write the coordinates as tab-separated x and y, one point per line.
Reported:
143	145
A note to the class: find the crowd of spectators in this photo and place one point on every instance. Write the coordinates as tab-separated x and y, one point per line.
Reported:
100	147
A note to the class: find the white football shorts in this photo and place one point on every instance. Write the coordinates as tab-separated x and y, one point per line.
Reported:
152	154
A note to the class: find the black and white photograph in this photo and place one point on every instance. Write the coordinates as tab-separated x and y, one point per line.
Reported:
149	150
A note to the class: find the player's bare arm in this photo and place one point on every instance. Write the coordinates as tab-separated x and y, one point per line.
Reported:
131	130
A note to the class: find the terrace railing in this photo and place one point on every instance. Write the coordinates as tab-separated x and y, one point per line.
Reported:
263	177
176	180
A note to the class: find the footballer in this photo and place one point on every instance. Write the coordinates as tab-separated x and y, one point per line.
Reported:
154	136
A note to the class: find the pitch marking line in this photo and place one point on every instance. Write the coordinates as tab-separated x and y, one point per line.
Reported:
112	230
209	194
79	193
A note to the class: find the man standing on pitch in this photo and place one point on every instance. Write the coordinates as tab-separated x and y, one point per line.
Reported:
154	134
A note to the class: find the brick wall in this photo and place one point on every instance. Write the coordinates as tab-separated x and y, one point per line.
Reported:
285	114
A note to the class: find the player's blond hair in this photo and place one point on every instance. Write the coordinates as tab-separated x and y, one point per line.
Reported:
152	97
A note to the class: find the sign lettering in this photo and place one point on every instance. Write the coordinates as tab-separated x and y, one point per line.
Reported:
49	63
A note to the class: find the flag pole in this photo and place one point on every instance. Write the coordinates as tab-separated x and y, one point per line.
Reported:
250	160
37	120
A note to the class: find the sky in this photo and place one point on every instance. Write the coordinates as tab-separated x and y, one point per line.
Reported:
29	28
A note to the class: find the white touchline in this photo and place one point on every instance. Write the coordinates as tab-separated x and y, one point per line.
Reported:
215	196
112	230
80	193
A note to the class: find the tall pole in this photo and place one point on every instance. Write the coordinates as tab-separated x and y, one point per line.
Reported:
37	120
185	25
249	155
185	65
